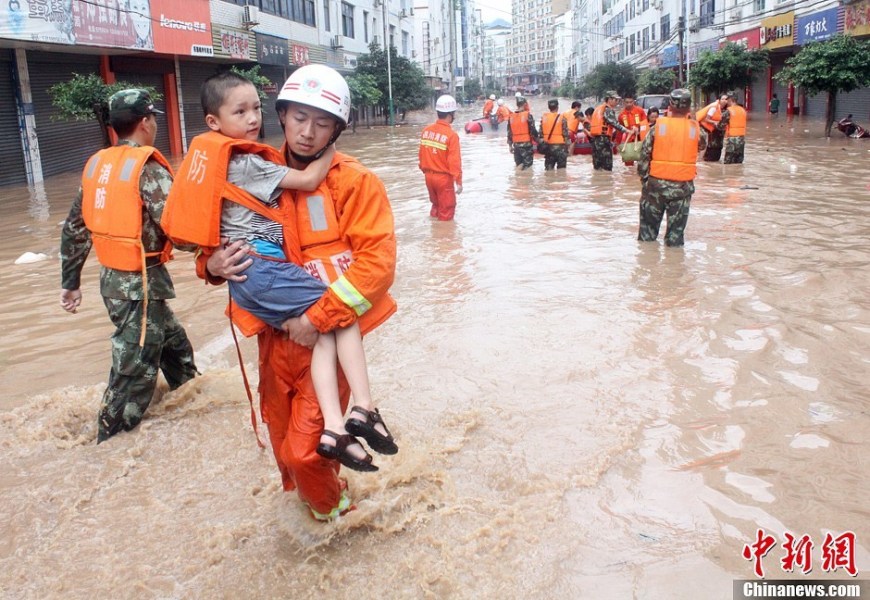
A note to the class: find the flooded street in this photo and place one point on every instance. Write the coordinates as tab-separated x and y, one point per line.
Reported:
579	415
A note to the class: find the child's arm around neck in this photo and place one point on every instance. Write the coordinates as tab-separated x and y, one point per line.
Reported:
309	179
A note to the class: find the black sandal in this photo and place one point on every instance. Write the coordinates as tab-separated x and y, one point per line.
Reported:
376	440
339	452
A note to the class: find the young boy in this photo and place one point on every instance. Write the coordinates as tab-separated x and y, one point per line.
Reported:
277	290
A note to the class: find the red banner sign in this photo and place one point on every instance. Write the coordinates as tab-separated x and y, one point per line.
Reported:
182	28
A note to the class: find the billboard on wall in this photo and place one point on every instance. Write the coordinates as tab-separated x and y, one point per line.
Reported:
271	50
233	43
817	26
751	39
154	25
182	28
777	32
856	18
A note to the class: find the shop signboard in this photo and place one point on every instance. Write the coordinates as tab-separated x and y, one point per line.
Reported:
856	18
230	42
182	28
272	50
750	39
778	31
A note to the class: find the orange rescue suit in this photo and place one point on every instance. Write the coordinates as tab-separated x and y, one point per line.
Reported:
519	125
439	150
346	232
597	124
504	113
112	206
715	117
551	126
487	107
632	117
737	122
675	149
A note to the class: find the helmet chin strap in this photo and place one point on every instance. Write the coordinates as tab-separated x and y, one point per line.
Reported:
310	159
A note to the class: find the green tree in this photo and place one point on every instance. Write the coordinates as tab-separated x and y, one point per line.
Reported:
656	81
86	98
364	92
621	77
732	67
841	64
473	89
259	80
410	90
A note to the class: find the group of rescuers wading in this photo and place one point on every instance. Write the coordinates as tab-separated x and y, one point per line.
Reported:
667	164
305	238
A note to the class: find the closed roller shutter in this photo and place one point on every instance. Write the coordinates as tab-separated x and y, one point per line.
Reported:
857	103
63	145
153	80
817	105
192	76
12	169
759	93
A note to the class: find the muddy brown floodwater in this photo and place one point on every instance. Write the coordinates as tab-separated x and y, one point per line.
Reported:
579	415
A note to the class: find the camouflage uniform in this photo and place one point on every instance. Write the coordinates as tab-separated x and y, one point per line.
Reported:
133	375
659	196
524	152
602	146
556	155
716	138
734	147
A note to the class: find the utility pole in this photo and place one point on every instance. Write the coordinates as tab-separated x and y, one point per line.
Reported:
388	50
681	30
452	23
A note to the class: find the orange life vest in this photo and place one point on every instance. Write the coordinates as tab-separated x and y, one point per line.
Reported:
716	117
551	124
597	126
325	253
643	130
488	107
112	206
519	125
737	122
193	208
572	121
675	149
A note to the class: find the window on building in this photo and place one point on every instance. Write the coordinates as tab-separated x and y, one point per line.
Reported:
308	16
645	6
405	39
366	26
652	32
392	35
267	6
296	10
631	9
326	20
347	20
645	39
708	13
631	45
759	6
665	27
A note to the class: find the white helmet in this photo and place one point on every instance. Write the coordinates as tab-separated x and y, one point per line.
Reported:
500	102
518	95
446	104
492	96
318	86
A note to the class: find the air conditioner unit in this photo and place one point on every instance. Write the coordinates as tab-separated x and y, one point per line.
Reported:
694	23
250	15
336	42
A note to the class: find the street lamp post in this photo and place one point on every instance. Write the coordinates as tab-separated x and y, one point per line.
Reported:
387	49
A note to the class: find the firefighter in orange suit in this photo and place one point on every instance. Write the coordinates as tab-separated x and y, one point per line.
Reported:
632	116
667	171
118	211
503	113
346	233
441	161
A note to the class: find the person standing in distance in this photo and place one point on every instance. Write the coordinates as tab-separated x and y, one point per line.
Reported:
735	131
520	133
601	126
117	211
667	169
441	160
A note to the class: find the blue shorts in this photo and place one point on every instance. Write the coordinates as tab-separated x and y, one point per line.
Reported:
276	291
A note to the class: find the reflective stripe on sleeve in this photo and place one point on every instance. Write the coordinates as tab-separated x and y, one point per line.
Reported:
433	144
345	290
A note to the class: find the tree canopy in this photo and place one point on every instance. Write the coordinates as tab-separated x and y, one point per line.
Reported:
656	81
621	77
731	67
841	64
86	98
410	90
259	80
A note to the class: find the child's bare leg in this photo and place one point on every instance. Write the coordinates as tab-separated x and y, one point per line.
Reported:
352	357
324	376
